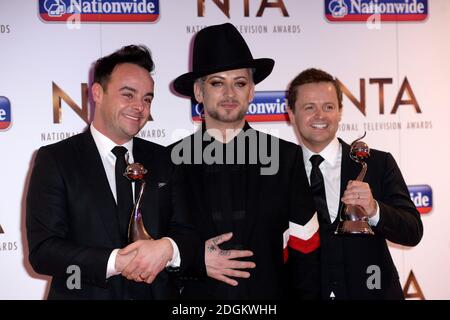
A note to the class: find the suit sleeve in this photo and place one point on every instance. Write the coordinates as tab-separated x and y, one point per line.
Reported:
182	229
399	219
51	251
304	241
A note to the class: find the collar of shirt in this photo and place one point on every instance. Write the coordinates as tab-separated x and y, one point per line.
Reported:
331	170
105	145
330	153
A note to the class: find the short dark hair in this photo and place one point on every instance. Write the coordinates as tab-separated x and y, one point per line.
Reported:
311	75
135	54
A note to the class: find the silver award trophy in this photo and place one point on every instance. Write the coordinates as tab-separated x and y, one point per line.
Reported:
353	219
136	230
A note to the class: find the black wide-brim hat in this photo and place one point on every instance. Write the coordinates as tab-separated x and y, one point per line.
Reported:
220	48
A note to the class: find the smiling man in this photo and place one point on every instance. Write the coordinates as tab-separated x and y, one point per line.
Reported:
315	109
79	202
116	116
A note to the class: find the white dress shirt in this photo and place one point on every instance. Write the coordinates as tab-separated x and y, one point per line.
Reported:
331	171
104	147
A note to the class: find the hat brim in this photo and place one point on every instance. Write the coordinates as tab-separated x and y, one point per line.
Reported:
184	84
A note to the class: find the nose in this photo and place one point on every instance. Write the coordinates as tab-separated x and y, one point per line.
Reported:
139	105
229	90
319	113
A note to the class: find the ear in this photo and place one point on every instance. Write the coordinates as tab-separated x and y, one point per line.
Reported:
198	93
252	92
97	93
291	115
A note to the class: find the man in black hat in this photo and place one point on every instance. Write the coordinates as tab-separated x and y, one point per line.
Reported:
247	188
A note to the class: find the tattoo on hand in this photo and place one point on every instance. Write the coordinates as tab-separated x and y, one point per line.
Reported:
216	240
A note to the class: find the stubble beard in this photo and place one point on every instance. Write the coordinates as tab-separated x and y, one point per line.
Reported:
227	116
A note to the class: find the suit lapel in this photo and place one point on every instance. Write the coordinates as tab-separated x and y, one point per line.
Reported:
253	192
196	181
104	204
253	200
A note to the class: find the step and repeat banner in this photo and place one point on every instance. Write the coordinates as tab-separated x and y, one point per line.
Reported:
392	58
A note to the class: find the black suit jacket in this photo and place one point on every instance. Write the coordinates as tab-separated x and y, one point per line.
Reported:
346	259
271	200
72	219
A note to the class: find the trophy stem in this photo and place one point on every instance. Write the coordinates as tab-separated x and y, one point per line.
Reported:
362	174
136	228
141	192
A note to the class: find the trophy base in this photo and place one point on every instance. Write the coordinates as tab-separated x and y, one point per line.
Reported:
354	227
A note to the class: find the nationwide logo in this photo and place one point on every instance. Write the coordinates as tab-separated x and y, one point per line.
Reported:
266	106
99	10
422	196
388	10
5	113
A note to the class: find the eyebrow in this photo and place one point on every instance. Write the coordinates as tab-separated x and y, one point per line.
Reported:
220	77
314	103
134	91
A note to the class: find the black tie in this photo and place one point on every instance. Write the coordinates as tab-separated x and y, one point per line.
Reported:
318	189
124	191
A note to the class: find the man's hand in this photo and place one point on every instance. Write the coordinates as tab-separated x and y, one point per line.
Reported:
151	257
359	193
122	260
219	263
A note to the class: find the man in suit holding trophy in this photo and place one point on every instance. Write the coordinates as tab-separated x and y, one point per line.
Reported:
349	259
79	201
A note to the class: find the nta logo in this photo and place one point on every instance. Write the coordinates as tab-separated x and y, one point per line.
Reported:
5	113
99	10
388	10
224	6
412	283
